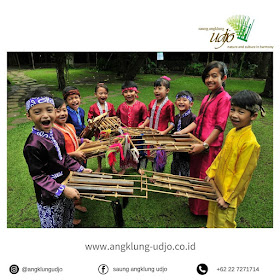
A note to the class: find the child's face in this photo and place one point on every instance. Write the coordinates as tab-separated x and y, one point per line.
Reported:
241	117
73	101
183	104
61	115
129	95
214	79
101	95
43	116
160	92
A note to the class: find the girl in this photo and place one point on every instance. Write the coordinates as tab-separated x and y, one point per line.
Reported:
161	109
101	106
209	127
98	108
232	169
76	114
71	141
132	113
160	116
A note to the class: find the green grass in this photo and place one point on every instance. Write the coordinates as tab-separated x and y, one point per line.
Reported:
159	210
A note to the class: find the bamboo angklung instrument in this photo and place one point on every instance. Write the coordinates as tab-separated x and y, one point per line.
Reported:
108	186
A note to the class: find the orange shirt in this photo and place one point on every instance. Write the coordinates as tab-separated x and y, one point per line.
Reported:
69	133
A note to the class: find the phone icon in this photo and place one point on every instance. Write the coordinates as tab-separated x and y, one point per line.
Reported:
202	269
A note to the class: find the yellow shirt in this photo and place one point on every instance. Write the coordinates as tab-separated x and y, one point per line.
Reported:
232	169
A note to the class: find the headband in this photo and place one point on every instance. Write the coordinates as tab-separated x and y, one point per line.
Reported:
71	92
166	78
184	96
38	100
131	88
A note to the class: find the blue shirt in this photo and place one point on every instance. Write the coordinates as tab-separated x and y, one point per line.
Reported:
77	119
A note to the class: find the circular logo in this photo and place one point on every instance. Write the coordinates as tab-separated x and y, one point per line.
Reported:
103	269
14	269
202	269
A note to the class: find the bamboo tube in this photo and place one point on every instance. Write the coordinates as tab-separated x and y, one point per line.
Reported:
186	190
92	175
88	188
101	181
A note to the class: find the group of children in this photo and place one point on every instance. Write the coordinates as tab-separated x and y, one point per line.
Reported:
50	150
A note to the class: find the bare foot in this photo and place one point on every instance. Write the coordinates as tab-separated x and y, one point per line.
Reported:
122	172
141	172
76	222
98	170
114	170
81	208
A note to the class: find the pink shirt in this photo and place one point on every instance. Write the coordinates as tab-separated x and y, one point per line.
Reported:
213	114
134	115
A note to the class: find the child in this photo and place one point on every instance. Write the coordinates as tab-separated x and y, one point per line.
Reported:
160	116
161	110
232	169
71	141
49	164
184	102
99	108
132	113
209	127
76	114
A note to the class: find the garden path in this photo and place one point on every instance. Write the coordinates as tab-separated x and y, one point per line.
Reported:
22	86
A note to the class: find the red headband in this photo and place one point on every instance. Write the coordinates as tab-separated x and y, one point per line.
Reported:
71	92
132	88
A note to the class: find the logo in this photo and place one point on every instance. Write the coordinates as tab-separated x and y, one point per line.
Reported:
202	269
14	269
103	269
241	25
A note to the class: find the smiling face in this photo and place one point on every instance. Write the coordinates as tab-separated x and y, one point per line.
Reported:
73	101
183	104
101	94
160	93
241	117
43	116
61	115
129	96
214	79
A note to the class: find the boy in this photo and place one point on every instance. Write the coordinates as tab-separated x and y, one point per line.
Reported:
76	115
233	167
49	164
184	102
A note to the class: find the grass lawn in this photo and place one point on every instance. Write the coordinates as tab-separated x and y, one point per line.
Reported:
158	210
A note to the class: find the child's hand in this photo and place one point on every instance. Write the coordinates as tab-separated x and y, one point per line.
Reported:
162	133
87	140
141	126
79	155
71	193
196	149
178	132
87	170
222	204
207	179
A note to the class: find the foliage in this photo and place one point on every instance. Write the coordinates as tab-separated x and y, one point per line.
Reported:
195	69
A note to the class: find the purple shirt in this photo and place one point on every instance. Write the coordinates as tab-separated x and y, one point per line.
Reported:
45	167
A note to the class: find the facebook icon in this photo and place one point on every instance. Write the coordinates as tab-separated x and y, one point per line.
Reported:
103	269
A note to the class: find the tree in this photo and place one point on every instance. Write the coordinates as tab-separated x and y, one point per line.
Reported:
60	61
268	88
130	64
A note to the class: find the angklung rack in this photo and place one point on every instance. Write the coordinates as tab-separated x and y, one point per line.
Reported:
106	186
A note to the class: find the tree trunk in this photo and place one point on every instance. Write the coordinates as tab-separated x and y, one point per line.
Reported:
60	59
268	88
